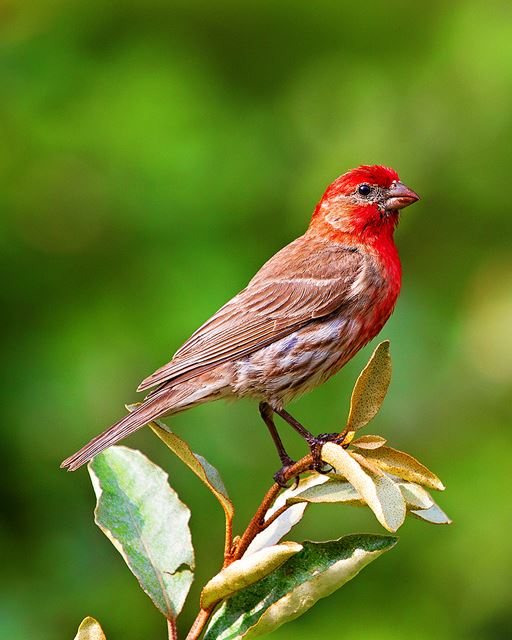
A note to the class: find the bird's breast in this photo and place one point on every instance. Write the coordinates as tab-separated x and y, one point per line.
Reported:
313	353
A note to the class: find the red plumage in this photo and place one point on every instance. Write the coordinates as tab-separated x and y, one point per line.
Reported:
306	312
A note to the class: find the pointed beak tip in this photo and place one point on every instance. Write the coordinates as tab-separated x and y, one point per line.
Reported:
400	196
415	197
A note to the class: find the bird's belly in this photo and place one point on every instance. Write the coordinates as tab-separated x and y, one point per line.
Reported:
298	362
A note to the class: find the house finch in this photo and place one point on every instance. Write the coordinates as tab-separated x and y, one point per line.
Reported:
306	312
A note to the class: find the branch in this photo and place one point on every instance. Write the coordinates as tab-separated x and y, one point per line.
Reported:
172	632
228	539
199	623
258	524
255	526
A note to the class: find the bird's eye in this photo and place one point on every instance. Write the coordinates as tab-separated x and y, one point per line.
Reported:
364	189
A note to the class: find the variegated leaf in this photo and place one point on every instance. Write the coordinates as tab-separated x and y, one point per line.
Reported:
146	522
289	591
246	571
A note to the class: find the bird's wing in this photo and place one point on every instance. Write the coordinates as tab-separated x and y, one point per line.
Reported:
270	308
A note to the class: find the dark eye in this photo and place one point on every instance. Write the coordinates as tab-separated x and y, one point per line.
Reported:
364	189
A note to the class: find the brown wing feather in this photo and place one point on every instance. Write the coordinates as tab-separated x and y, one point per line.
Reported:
274	304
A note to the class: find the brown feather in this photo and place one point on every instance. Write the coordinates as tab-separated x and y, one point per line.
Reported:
289	291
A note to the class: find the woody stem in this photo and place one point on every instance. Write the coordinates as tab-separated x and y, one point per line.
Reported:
255	526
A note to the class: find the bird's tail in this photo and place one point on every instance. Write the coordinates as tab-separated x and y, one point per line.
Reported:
139	417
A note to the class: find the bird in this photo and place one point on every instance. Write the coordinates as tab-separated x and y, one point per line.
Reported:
307	311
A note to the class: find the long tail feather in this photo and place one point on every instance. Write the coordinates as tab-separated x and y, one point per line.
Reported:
143	414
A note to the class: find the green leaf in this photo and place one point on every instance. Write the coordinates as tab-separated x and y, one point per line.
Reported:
370	388
314	573
90	629
146	522
206	472
246	571
379	492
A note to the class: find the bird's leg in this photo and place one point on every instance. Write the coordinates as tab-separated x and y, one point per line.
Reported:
307	435
266	413
315	443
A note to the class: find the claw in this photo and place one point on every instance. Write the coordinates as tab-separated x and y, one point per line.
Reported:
279	476
329	437
315	445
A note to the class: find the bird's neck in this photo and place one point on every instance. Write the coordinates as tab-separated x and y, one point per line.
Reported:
375	230
375	237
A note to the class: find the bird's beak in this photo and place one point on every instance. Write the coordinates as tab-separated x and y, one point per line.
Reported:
399	196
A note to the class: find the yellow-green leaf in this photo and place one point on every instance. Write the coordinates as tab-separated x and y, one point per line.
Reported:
379	492
404	466
90	629
370	388
369	442
206	472
246	571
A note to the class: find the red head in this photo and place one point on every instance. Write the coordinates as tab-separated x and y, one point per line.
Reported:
363	203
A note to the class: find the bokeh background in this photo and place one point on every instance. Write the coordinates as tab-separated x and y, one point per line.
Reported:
153	155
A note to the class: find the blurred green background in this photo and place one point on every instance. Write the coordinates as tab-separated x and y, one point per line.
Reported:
154	154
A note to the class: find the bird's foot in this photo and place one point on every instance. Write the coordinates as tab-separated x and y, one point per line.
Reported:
316	444
280	476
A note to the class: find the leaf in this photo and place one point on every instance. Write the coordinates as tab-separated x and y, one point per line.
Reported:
368	465
370	388
434	514
404	466
246	571
284	523
334	490
415	496
314	573
418	501
146	522
331	490
90	629
278	529
369	442
380	493
206	472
